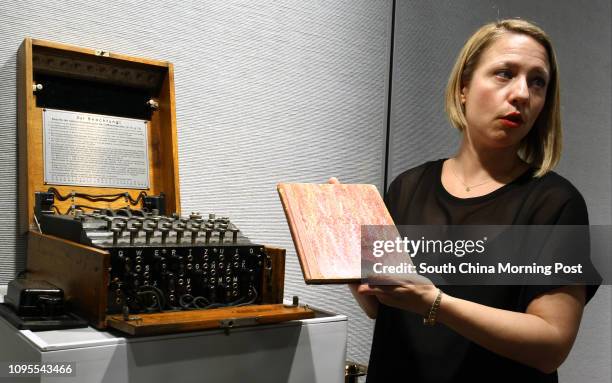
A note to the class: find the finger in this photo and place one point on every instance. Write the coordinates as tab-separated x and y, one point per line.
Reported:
333	180
377	290
384	280
367	290
410	279
385	289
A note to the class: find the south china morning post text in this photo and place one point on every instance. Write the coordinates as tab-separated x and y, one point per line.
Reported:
458	248
479	254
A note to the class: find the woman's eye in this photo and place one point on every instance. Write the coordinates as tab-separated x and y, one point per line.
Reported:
539	82
504	73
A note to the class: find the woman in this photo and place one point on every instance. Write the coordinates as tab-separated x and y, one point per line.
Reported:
503	95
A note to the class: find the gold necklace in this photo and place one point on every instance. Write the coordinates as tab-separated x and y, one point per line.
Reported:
468	188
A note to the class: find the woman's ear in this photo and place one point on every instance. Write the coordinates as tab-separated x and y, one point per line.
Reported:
462	96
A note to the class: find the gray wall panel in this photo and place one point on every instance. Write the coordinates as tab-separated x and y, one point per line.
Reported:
291	104
266	91
428	37
11	244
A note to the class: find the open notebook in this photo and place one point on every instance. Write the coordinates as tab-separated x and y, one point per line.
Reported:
325	222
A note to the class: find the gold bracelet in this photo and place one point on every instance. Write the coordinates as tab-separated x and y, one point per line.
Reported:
433	311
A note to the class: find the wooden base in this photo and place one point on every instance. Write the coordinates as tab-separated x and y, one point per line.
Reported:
226	318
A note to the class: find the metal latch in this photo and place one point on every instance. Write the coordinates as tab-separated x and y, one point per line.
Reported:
101	52
238	322
229	323
153	104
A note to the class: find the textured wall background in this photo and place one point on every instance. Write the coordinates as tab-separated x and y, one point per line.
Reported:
273	91
266	91
428	37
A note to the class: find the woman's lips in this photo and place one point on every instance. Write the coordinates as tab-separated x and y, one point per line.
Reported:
510	123
512	120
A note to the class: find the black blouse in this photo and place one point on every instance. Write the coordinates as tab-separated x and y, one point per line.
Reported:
403	350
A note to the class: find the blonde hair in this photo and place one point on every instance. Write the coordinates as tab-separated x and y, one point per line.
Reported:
541	147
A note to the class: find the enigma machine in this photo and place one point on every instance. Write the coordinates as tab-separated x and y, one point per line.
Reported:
99	200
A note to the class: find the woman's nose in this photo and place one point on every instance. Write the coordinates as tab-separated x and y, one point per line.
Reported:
520	90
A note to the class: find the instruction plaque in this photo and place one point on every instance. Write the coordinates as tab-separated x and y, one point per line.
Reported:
84	149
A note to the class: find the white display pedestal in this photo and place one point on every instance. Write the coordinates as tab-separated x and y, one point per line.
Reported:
303	351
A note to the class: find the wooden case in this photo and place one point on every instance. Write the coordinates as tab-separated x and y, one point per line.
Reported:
83	271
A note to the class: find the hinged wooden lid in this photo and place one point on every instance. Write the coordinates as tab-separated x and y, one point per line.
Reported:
38	59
